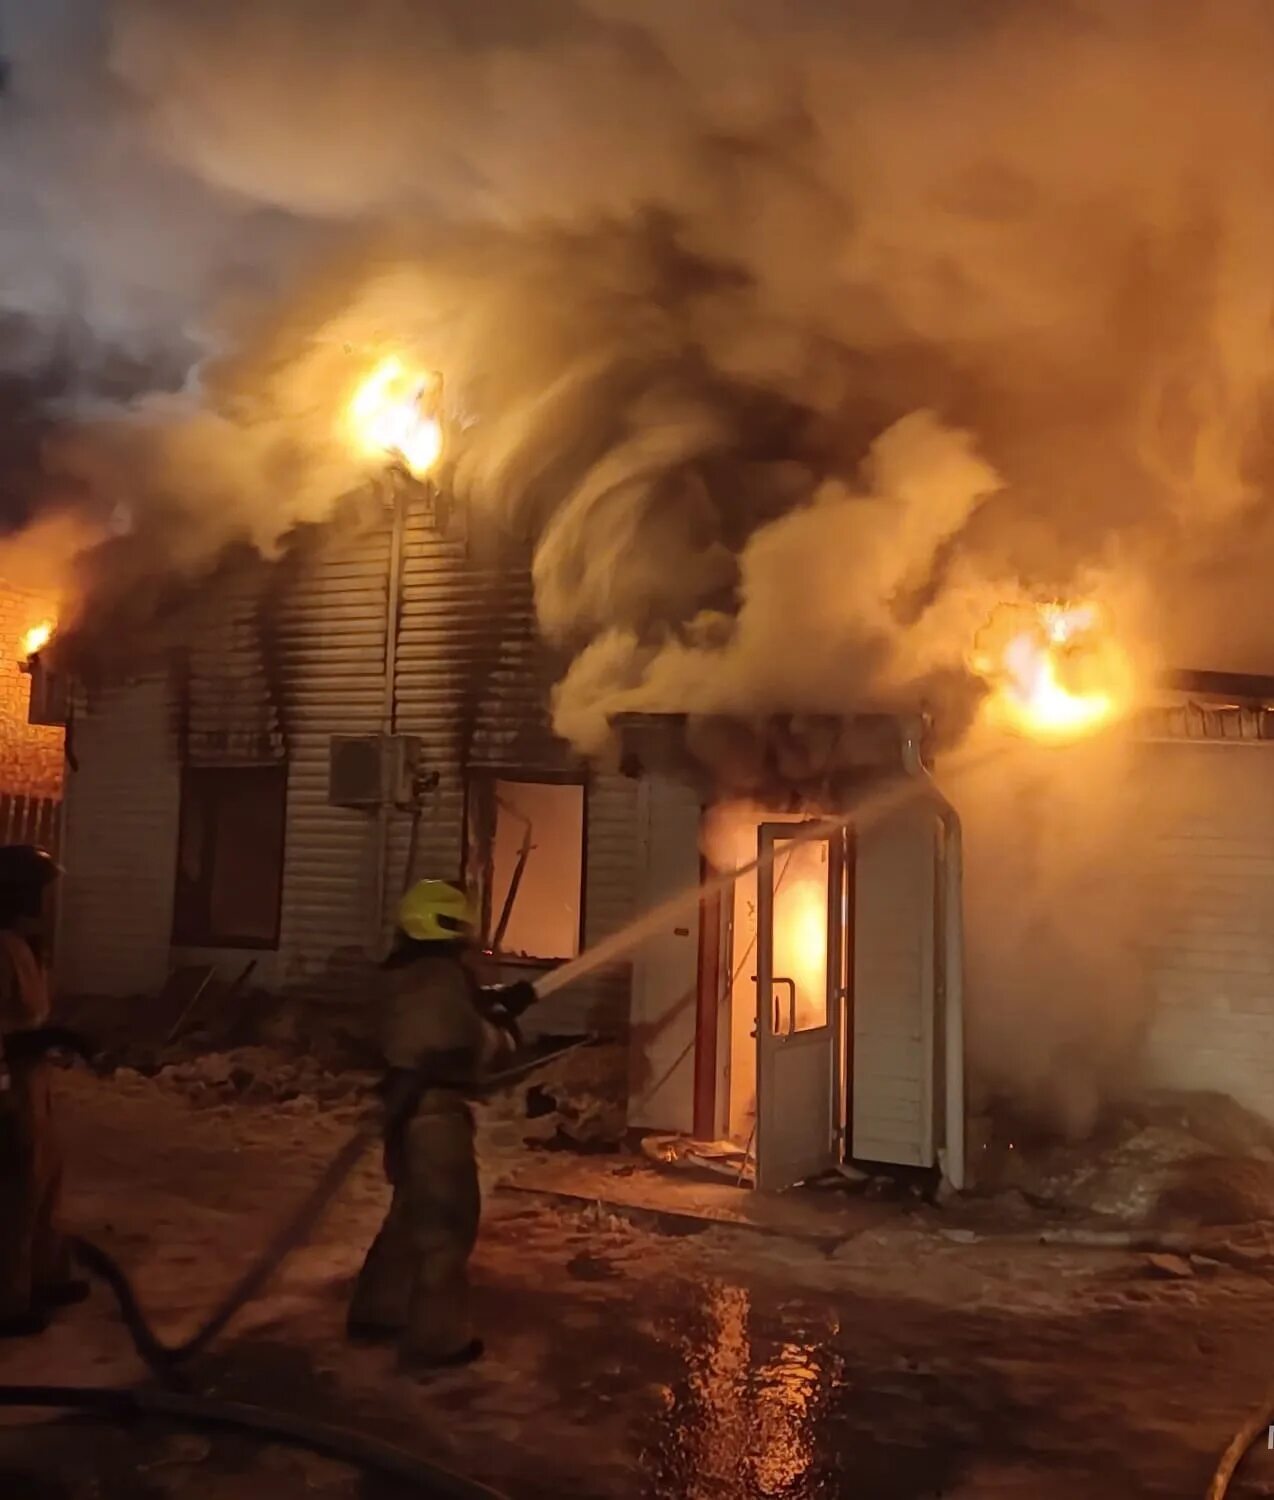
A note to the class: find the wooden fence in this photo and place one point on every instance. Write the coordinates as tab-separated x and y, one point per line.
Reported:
30	820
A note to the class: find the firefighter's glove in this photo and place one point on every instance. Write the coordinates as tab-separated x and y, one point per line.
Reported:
516	999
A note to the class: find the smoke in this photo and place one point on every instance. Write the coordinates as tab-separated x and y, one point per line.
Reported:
682	269
793	336
1057	908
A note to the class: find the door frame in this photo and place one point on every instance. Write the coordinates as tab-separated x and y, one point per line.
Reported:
822	1153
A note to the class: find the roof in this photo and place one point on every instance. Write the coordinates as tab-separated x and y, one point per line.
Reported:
1242	686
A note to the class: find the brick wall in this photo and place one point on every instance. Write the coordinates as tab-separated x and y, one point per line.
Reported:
31	756
1211	957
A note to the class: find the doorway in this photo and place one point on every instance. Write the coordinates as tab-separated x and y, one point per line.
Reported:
786	966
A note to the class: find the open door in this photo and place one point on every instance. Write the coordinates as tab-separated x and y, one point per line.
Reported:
800	990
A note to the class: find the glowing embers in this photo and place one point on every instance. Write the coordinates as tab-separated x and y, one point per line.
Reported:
394	415
1056	671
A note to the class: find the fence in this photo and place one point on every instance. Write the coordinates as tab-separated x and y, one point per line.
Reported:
30	820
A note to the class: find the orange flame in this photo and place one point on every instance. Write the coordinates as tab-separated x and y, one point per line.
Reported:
393	415
800	937
1056	672
37	638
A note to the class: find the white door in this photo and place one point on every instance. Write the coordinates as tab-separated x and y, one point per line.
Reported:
895	988
800	991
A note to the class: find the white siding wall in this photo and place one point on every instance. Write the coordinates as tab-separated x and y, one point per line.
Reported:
666	967
120	845
611	898
471	682
1211	954
893	1036
331	625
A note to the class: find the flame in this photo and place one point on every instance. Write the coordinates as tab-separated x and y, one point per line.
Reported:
800	939
1056	671
804	935
37	638
393	414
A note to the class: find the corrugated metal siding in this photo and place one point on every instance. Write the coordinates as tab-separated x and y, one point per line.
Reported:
473	682
665	973
465	682
1208	721
611	898
120	846
330	625
894	989
1210	948
228	712
31	820
305	660
472	677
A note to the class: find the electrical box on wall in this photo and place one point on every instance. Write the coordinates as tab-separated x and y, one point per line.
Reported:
49	696
372	770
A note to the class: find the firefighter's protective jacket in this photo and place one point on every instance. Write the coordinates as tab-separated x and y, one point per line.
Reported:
33	1253
414	1282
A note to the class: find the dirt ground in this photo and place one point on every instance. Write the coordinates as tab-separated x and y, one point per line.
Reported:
895	1364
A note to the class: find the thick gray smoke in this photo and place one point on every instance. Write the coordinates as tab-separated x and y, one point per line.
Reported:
796	335
1058	906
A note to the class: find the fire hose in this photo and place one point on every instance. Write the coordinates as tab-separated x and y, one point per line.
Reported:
173	1401
1237	1448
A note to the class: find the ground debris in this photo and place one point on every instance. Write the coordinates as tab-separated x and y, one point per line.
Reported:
623	1362
1166	1159
176	1449
589	1267
260	1076
1205	1263
1174	1267
598	1216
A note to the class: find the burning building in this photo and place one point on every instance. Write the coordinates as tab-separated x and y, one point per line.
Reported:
767	379
374	706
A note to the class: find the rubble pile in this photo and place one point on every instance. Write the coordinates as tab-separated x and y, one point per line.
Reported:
574	1103
270	1052
262	1076
1166	1160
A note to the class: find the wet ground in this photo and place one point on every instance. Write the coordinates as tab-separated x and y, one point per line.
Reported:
627	1362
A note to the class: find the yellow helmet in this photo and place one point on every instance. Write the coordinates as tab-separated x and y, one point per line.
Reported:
434	912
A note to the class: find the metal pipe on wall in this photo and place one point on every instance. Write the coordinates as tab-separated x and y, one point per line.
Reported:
389	699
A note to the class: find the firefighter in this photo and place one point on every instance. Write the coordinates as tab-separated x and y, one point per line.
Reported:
442	1032
35	1261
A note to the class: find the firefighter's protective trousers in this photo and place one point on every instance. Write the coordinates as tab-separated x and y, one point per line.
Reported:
33	1253
416	1275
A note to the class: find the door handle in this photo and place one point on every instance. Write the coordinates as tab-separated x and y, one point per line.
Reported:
791	1005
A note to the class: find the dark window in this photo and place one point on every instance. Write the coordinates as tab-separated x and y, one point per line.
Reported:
230	857
527	860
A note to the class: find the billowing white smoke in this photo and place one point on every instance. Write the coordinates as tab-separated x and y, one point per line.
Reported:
815	626
1057	907
681	265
